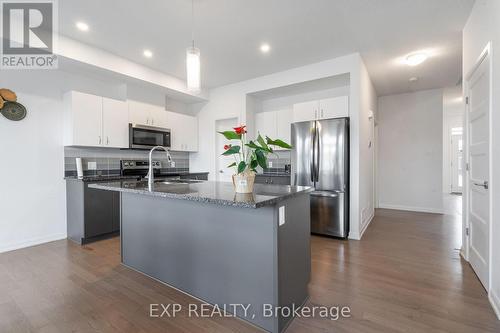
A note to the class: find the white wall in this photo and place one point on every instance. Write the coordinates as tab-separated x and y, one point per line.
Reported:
410	151
483	26
453	116
232	101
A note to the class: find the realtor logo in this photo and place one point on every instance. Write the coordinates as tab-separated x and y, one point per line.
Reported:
28	34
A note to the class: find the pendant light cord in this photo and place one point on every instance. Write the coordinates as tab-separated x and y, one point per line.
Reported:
192	22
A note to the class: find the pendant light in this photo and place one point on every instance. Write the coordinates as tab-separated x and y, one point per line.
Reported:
193	60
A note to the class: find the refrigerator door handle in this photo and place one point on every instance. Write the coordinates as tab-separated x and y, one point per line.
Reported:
312	167
317	154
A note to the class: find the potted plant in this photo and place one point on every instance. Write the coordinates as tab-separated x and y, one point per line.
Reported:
248	156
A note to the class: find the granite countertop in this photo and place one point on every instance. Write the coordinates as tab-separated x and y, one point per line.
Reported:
219	193
116	177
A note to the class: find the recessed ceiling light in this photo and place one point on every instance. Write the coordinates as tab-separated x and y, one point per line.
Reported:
416	59
148	53
82	26
265	48
413	79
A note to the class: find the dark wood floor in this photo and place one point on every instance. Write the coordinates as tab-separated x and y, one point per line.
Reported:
404	276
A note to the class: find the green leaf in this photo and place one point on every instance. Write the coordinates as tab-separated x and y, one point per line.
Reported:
278	142
261	159
231	135
241	166
252	145
231	165
253	164
231	151
262	142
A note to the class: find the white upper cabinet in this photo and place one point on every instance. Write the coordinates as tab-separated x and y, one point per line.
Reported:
274	124
265	124
114	123
305	111
284	119
335	107
94	121
147	114
184	131
83	119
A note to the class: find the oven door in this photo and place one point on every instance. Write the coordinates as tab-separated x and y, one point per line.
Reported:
146	137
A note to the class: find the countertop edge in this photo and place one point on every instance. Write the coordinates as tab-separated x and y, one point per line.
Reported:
220	202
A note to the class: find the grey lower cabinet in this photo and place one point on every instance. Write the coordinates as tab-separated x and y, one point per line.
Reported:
274	180
92	214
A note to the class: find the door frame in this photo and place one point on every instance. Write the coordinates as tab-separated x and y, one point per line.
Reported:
216	151
485	54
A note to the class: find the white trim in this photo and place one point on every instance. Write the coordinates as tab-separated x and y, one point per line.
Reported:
411	208
365	225
32	242
495	302
485	54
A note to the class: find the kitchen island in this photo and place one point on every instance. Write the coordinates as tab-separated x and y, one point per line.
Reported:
224	248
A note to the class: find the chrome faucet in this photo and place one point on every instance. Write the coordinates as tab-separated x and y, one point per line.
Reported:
150	172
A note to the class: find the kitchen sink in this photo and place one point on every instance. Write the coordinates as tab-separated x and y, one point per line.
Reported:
179	181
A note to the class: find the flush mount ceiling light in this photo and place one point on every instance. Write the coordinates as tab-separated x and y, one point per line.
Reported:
147	53
265	48
82	26
193	60
416	59
413	79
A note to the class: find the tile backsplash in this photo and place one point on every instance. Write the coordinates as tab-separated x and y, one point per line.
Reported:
279	161
108	160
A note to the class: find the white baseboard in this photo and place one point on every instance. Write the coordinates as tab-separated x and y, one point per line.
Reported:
31	242
495	302
366	224
411	208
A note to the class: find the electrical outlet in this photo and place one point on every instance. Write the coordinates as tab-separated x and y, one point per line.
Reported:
172	164
270	164
92	165
281	215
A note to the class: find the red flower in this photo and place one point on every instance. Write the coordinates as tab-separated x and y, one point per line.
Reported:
226	147
240	130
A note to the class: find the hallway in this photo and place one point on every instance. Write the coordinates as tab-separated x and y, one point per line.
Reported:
405	276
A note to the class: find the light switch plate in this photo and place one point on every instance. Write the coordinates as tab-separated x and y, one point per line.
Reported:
92	165
281	215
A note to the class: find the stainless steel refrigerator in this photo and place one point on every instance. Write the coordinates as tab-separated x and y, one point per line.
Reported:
320	158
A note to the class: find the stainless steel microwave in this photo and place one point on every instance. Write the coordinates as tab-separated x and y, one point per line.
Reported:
147	137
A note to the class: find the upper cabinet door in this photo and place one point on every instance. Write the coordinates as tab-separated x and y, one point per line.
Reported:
284	125
115	123
336	107
157	116
85	112
138	113
265	124
306	111
184	131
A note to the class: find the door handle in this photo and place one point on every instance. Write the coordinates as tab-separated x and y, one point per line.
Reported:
484	184
317	153
313	153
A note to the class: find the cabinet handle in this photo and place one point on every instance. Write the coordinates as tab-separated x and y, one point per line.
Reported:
100	139
107	140
152	121
322	113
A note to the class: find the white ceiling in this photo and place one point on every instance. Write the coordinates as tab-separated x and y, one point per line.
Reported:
300	32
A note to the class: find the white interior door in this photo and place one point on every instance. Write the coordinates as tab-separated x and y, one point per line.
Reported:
478	149
456	163
224	174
